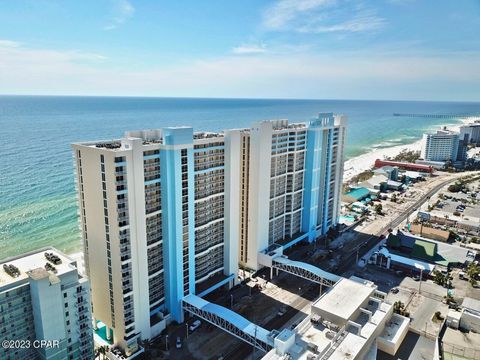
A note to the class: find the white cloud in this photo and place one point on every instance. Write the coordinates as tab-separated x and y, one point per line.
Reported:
249	49
284	11
122	11
321	16
9	43
80	56
367	21
337	75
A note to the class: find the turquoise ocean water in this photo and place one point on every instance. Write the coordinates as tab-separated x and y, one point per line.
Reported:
37	195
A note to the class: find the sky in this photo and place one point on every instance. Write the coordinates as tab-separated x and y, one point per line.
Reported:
311	49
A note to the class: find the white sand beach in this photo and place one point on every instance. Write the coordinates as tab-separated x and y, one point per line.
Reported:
352	167
366	161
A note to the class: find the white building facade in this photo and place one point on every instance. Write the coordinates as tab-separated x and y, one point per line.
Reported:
290	178
473	132
44	300
167	213
441	146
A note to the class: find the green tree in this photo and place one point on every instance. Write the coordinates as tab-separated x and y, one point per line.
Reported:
406	156
439	278
455	188
101	352
473	271
399	308
379	209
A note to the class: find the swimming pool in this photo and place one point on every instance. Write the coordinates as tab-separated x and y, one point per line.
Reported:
346	218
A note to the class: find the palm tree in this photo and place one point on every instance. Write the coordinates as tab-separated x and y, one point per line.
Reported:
473	271
101	352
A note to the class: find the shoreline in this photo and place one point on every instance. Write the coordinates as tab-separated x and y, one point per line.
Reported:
357	164
360	163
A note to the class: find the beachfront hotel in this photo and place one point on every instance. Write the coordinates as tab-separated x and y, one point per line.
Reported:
45	307
171	212
444	145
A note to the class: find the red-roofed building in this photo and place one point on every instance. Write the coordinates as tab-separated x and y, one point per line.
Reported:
405	166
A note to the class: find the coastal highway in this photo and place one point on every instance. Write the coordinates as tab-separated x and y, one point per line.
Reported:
371	240
366	242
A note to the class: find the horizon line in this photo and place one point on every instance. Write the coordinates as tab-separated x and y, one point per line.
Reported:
231	98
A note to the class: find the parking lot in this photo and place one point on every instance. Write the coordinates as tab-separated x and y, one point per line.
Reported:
282	302
421	299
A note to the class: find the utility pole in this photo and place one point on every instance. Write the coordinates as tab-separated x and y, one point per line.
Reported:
166	342
420	283
186	325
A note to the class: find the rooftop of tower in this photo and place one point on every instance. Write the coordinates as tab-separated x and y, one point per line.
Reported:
35	264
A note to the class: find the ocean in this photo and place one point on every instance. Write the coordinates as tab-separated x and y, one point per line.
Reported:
37	195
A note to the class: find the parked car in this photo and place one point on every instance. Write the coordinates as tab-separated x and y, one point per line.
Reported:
416	278
282	311
178	343
195	325
394	290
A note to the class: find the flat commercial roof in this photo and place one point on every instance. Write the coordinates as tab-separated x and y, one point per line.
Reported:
32	261
344	298
424	250
358	193
471	303
348	348
407	261
445	253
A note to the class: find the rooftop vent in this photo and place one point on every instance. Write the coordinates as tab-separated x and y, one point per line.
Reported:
53	258
109	145
11	270
50	267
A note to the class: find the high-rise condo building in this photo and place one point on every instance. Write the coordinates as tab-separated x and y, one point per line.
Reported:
167	213
444	145
44	308
472	130
152	216
290	178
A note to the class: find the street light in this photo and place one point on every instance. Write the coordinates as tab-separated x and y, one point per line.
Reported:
420	283
186	324
166	342
231	300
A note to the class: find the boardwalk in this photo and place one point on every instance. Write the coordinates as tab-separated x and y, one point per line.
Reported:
438	116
